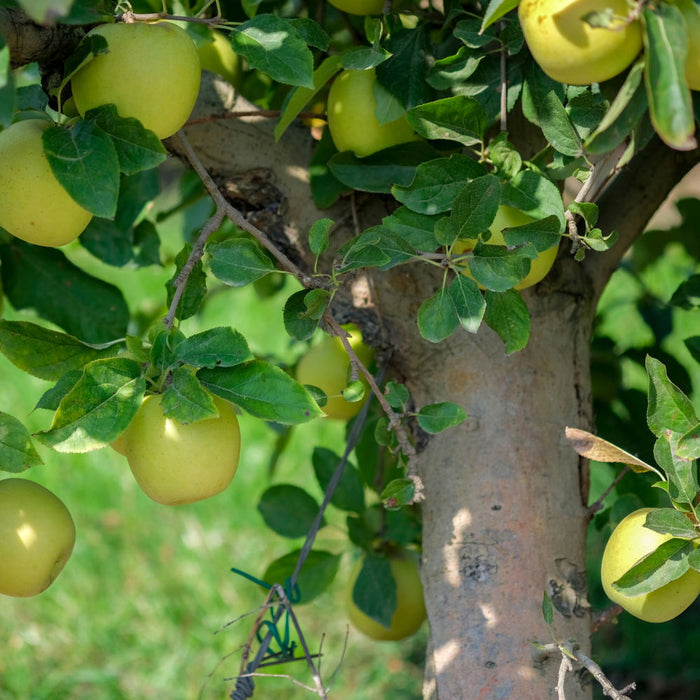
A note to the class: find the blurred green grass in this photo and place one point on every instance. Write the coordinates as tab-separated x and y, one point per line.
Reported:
141	609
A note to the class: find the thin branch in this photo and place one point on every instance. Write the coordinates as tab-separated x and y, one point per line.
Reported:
595	507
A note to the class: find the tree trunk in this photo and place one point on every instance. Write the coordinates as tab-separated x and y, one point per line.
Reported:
504	516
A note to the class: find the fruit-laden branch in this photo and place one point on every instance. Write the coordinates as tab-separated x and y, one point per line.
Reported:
30	42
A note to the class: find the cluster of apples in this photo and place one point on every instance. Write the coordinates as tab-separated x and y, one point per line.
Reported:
151	72
570	50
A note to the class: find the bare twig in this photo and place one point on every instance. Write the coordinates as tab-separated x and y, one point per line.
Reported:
595	507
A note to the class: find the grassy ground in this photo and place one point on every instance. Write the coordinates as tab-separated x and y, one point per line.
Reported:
141	609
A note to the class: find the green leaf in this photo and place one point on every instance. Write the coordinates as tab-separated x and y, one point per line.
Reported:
374	592
535	195
398	493
418	230
557	127
185	400
543	234
459	118
380	171
682	478
238	261
318	236
689	444
497	268
263	390
668	407
687	296
349	493
437	317
137	148
165	343
272	45
453	71
298	321
475	207
315	577
43	279
195	288
98	408
670	521
468	302
396	395
17	452
668	562
507	314
288	510
670	103
547	609
437	183
215	347
623	115
436	417
299	97
84	161
45	353
376	247
7	86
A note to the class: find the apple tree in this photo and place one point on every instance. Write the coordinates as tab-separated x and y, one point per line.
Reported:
473	177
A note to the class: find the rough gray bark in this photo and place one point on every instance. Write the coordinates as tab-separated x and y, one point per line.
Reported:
504	518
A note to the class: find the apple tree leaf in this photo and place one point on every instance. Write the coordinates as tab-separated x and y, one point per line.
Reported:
668	562
99	406
398	493
593	447
288	510
460	118
185	400
272	45
17	451
238	261
302	312
437	317
507	314
349	492
85	162
498	268
376	247
137	148
7	86
535	195
195	289
418	230
318	573
214	347
668	407
374	592
263	390
437	182
681	472
670	521
45	353
670	102
436	417
468	301
43	279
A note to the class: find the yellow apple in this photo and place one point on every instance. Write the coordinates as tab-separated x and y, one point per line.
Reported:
152	72
37	535
359	7
410	605
326	365
572	51
691	15
630	542
352	120
176	463
218	56
505	218
35	207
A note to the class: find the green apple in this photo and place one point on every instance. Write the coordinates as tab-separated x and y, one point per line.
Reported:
326	365
570	50
217	55
352	120
507	217
35	207
628	544
152	72
176	463
37	535
410	604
